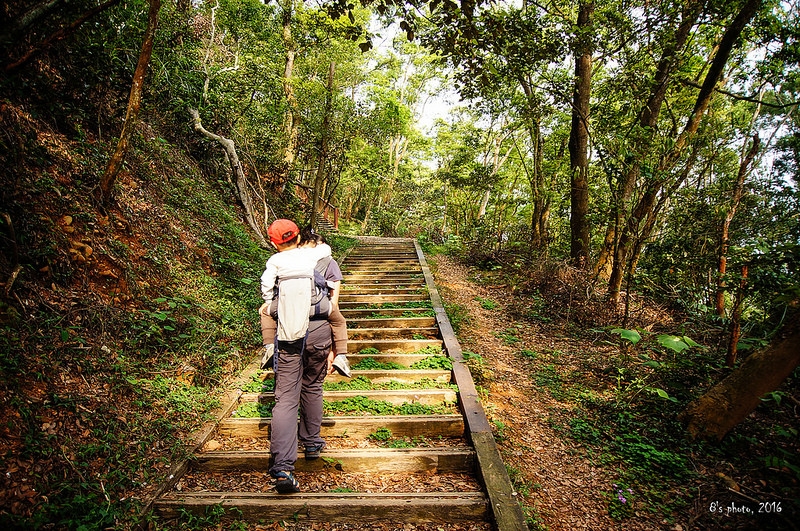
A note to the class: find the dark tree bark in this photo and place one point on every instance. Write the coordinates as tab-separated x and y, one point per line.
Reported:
729	402
579	141
134	102
540	214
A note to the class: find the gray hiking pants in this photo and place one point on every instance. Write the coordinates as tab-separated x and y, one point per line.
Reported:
298	385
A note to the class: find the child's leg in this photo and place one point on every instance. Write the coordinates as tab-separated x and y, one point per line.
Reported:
269	326
339	328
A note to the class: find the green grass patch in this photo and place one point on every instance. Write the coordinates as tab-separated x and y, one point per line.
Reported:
258	384
487	304
458	315
362	405
361	383
433	363
370	364
385	438
250	410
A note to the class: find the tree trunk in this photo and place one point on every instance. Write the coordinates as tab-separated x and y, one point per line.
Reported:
134	101
497	161
291	117
702	102
366	218
539	197
241	181
648	117
729	402
484	204
736	321
654	211
319	180
724	243
579	141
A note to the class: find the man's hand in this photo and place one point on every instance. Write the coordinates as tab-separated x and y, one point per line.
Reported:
264	309
331	355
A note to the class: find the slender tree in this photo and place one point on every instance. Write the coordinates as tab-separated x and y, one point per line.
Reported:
106	187
632	227
324	140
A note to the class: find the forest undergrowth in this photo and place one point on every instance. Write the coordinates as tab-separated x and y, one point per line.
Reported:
120	329
586	412
124	321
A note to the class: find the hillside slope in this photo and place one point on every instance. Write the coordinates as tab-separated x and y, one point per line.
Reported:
118	322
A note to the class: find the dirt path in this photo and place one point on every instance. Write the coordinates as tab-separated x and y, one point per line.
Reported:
564	489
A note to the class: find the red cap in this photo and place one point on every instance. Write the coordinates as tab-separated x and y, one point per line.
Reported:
282	230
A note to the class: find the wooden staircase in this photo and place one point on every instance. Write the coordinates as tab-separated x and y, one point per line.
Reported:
324	225
437	469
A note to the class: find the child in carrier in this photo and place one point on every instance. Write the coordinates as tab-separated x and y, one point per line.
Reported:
311	262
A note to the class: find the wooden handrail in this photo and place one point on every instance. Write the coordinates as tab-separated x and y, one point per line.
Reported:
327	210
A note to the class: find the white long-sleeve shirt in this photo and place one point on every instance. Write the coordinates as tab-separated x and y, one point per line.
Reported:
294	262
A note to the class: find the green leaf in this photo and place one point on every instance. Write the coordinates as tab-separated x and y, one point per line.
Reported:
689	341
631	335
673	343
663	394
652	364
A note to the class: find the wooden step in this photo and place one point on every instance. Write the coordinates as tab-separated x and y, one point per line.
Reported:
380	263
354	323
380	289
385	313
396	375
367	269
373	273
394	333
435	507
390	345
352	299
406	359
409	376
396	257
385	277
426	397
370	461
357	428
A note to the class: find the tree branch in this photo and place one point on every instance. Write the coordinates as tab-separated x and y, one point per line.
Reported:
59	35
751	99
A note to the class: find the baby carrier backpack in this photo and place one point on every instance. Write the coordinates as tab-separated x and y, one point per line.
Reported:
293	316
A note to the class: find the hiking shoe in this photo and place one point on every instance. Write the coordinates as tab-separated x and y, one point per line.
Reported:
312	452
341	365
268	358
285	482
